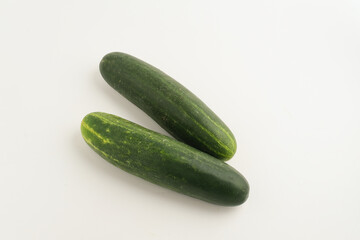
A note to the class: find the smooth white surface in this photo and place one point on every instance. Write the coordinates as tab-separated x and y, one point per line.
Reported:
283	75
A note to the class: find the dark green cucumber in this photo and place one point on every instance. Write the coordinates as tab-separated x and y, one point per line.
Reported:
163	160
170	104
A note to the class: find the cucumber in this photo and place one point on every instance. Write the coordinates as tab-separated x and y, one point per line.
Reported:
170	104
163	160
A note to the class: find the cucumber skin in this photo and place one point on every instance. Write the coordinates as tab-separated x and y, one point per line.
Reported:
170	104
164	161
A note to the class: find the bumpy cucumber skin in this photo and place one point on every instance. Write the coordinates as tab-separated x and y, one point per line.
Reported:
170	104
164	161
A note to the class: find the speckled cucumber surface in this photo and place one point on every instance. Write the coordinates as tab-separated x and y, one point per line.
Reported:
169	103
163	160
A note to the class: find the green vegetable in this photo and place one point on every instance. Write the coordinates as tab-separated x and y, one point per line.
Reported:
169	103
163	160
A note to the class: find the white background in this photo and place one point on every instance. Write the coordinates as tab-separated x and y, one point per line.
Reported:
283	75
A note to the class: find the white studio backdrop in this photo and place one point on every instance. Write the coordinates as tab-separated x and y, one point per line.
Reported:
283	75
